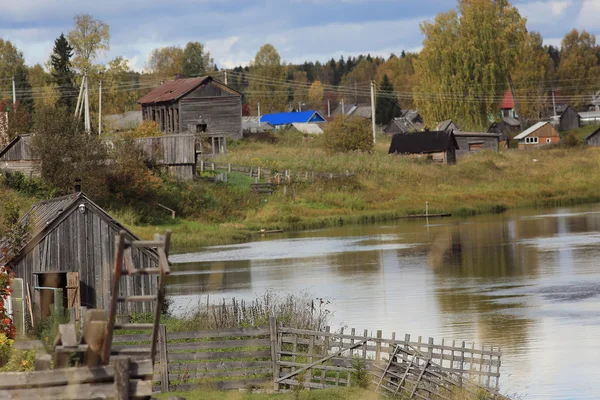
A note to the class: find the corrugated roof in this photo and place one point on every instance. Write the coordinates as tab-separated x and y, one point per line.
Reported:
530	130
311	129
511	121
422	142
173	90
289	118
590	114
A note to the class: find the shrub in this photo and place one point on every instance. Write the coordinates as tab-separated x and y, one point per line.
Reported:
346	134
359	377
143	130
571	140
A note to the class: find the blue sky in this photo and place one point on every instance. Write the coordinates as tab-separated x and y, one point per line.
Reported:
233	30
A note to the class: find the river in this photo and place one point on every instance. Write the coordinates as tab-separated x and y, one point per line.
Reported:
528	280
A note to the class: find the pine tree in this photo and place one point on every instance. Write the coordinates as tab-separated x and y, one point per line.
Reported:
387	107
62	73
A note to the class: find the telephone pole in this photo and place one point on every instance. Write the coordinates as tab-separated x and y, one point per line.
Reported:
258	104
79	102
553	102
225	77
14	90
100	107
88	127
373	110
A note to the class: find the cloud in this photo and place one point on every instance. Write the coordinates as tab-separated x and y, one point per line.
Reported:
588	16
540	13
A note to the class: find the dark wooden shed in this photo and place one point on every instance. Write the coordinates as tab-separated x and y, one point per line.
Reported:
435	145
72	247
593	139
208	105
16	156
569	119
473	142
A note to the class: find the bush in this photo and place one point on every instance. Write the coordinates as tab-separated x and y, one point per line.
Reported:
571	140
346	134
143	130
359	377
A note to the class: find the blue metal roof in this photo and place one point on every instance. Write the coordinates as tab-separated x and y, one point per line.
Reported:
288	118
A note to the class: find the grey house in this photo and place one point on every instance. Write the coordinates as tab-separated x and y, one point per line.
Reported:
473	142
569	119
72	247
203	104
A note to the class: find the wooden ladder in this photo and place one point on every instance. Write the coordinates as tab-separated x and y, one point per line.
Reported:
124	255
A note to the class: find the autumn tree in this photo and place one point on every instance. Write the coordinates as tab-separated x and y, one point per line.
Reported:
356	83
315	95
116	75
196	61
60	60
530	73
267	83
166	62
464	65
300	88
89	37
12	65
15	119
401	73
387	107
578	71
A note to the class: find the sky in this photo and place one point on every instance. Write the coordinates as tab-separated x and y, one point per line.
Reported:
233	30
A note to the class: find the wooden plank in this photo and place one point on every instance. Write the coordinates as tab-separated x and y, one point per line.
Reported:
311	347
163	358
121	365
324	352
274	350
67	335
138	389
378	346
291	364
219	355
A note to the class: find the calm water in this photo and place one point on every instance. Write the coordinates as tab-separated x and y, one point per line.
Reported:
528	281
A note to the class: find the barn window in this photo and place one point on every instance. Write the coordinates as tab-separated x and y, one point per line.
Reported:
475	146
535	140
201	128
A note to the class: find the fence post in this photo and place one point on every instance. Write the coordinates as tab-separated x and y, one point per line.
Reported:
378	346
164	360
250	171
274	350
258	173
122	377
229	167
213	166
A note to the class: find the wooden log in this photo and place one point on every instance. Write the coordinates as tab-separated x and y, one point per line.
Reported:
121	365
164	361
94	336
378	346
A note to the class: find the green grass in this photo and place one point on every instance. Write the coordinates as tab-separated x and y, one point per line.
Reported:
326	394
581	133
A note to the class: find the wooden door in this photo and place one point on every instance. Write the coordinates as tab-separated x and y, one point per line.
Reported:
73	295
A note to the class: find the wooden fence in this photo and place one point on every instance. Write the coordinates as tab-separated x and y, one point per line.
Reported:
124	379
286	357
272	174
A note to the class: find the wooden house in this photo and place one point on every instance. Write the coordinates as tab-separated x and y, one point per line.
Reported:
473	142
447	126
569	119
71	246
283	119
593	139
17	156
540	134
438	146
207	105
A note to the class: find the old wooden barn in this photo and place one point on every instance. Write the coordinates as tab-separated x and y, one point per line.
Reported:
16	156
473	142
72	247
204	104
434	145
569	119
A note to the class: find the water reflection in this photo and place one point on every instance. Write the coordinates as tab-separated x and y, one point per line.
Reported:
527	281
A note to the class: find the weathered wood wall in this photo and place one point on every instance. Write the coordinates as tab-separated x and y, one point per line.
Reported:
28	168
222	114
176	153
20	150
85	243
594	139
486	143
569	120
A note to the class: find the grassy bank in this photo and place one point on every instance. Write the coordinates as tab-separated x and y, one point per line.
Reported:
389	187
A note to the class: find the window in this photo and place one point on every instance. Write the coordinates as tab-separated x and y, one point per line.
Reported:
548	140
475	146
531	140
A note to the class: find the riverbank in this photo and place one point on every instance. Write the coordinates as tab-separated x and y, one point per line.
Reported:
387	188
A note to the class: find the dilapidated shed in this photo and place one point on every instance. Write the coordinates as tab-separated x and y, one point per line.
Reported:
447	126
593	139
435	145
212	107
17	156
569	119
71	246
473	142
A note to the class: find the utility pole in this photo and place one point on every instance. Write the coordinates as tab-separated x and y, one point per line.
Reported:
88	126
77	109
373	110
100	107
225	77
14	90
343	110
299	106
553	101
258	114
328	108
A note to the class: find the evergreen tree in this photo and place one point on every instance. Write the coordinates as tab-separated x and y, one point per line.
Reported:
387	107
23	88
62	73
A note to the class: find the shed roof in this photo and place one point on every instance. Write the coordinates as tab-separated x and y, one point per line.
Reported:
43	216
403	124
311	129
422	142
597	131
511	121
288	118
444	125
531	129
175	89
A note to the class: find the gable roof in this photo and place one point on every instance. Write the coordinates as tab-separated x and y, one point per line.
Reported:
597	131
288	118
530	130
175	89
25	138
402	124
44	216
422	142
507	100
411	115
444	125
567	109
